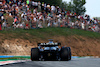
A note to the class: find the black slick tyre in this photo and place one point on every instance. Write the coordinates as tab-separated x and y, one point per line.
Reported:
69	54
34	54
64	54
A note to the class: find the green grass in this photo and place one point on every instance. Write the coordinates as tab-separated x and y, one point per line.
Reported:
46	33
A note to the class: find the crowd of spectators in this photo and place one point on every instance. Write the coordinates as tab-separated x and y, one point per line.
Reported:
31	15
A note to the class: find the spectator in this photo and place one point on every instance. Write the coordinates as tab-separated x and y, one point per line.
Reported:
4	26
0	25
8	26
52	9
43	15
82	25
27	26
39	6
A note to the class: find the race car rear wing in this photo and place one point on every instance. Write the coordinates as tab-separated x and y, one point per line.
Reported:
49	44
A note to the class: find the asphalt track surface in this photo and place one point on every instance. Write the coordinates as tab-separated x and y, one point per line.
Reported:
82	62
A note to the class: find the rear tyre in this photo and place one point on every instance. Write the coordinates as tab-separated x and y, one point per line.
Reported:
64	54
34	54
69	55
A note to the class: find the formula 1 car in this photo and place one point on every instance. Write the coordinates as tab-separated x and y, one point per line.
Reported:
50	51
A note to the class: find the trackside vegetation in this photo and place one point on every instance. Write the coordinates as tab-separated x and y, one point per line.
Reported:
46	33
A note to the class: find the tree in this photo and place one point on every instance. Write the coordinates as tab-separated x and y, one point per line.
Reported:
64	5
78	6
75	6
70	7
51	2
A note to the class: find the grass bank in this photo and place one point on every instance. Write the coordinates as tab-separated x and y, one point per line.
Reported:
46	33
